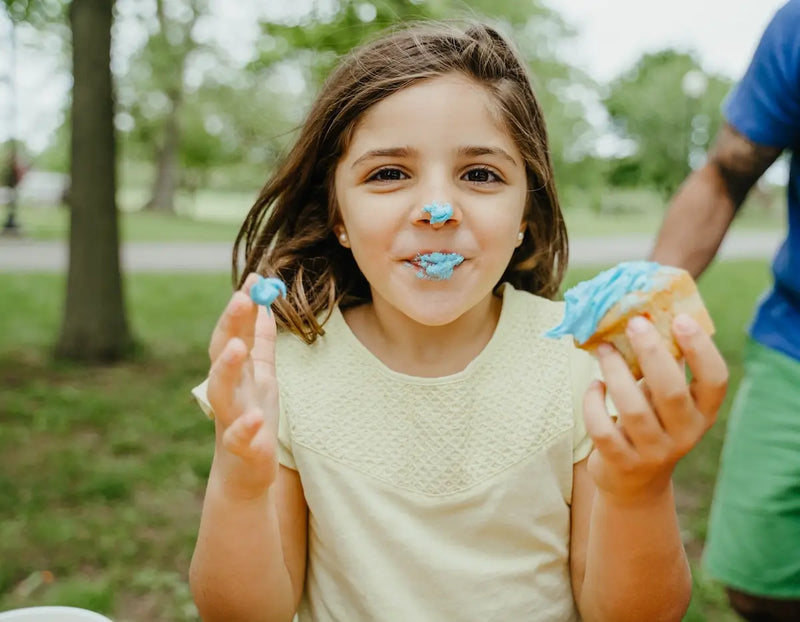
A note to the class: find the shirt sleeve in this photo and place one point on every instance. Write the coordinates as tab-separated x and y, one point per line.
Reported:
585	369
765	104
285	452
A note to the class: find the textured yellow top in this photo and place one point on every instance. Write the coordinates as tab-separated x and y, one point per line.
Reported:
436	499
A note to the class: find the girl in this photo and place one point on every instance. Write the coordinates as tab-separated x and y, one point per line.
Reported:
406	445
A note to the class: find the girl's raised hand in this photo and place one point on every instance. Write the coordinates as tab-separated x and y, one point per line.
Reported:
659	420
243	393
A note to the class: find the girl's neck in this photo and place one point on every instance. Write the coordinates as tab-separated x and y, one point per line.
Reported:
414	349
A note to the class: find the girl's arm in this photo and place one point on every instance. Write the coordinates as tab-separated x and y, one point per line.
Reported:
250	558
627	558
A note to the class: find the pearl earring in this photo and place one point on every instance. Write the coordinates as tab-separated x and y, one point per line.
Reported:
343	237
520	236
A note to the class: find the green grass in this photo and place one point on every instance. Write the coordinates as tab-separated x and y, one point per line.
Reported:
102	470
41	223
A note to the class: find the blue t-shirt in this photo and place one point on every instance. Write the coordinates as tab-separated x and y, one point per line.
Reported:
765	107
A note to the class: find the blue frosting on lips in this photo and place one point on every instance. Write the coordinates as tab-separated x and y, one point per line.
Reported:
440	212
437	266
266	290
589	301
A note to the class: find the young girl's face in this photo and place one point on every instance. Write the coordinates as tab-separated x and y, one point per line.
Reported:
438	141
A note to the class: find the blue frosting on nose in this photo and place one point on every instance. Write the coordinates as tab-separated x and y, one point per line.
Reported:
266	290
440	212
438	266
589	301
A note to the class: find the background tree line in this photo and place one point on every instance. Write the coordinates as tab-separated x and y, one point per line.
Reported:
157	97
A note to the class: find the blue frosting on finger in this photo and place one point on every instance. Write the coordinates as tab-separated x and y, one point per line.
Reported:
266	290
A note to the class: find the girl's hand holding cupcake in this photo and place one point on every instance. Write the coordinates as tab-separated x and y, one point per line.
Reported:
660	419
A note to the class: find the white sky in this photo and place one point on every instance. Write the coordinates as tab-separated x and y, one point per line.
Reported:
612	34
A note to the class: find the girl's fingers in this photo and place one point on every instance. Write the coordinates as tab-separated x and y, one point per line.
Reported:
263	351
237	320
665	378
238	314
608	439
250	439
709	371
240	434
640	423
224	379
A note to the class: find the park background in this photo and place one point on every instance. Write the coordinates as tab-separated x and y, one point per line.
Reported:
103	456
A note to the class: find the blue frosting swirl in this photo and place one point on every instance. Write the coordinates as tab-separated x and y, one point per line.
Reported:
266	290
589	301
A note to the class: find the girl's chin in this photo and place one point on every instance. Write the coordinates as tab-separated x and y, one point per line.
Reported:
435	308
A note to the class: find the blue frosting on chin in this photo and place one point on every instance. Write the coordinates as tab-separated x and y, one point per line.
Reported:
440	212
589	301
266	290
438	266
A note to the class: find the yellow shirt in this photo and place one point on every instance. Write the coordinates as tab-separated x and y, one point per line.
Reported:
437	499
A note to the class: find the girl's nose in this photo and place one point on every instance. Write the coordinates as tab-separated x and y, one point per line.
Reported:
438	214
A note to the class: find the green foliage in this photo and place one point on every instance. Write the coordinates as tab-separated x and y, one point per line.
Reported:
648	105
317	41
36	12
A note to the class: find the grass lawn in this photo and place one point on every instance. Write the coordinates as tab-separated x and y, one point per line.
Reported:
45	223
102	470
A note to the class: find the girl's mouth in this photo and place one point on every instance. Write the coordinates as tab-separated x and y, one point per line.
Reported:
435	266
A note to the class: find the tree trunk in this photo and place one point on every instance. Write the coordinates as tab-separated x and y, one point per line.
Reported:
94	327
166	183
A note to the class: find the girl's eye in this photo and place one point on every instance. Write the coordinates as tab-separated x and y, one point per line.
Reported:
388	174
481	176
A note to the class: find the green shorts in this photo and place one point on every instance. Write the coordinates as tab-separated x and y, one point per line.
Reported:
753	542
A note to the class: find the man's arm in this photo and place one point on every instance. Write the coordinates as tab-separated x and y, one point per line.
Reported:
705	205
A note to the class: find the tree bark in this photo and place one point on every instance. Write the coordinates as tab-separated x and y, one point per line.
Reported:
168	168
94	326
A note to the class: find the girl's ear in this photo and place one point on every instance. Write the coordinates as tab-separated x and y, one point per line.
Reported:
342	235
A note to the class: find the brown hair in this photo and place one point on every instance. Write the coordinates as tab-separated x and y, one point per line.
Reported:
288	232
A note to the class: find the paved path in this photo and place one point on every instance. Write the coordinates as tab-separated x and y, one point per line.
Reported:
19	255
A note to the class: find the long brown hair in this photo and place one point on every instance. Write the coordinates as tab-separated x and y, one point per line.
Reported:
288	232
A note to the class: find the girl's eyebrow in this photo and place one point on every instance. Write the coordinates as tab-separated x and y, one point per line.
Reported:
390	152
406	152
479	150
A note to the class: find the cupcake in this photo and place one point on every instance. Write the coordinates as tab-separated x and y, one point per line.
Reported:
597	311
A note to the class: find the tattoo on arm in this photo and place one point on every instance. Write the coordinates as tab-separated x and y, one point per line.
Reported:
740	162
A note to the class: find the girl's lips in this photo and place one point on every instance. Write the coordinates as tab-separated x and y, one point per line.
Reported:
430	251
435	266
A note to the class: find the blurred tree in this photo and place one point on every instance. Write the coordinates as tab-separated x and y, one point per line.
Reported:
94	326
314	42
231	126
668	117
166	55
38	13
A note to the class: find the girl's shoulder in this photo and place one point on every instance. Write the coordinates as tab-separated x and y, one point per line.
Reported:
530	310
293	352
